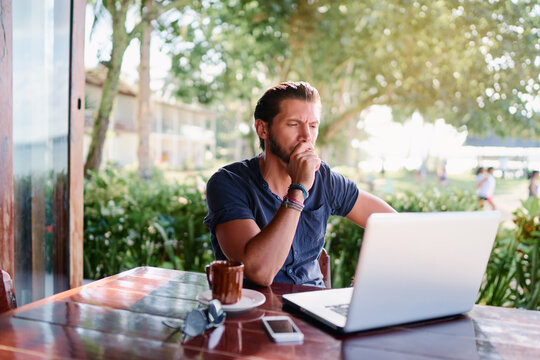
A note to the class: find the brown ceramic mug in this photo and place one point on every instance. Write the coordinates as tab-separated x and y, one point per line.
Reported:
226	278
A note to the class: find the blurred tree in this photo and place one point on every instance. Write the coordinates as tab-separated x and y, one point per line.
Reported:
468	62
144	117
473	63
227	54
121	37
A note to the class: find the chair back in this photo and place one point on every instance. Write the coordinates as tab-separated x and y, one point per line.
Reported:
7	293
324	264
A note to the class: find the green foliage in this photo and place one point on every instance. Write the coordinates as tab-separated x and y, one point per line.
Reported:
527	291
473	63
433	199
129	222
343	241
513	274
495	289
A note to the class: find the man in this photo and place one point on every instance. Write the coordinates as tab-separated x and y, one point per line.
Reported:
271	211
533	185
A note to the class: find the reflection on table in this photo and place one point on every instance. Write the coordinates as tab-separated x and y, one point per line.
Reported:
122	317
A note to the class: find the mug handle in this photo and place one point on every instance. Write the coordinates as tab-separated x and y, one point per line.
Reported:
209	275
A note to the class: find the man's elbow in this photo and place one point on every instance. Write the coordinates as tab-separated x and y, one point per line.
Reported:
262	282
259	276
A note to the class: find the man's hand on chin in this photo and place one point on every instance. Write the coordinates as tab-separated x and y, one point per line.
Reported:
303	164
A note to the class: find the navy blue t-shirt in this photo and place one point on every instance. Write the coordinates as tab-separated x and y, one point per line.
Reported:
238	191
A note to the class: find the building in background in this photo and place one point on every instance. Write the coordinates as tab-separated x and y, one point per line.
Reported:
182	137
511	158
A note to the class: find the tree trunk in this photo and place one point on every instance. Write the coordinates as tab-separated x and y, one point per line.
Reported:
120	41
144	118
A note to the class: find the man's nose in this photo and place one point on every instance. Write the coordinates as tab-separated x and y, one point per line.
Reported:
305	134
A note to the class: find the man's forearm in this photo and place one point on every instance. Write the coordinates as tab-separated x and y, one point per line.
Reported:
367	204
266	252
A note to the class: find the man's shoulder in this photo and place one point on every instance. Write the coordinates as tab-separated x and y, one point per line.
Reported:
330	180
239	169
326	171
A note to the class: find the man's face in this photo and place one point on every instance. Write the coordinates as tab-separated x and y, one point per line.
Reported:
298	121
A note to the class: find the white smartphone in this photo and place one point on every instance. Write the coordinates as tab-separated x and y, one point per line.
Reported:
282	329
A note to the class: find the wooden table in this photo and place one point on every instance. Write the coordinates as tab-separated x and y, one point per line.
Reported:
120	317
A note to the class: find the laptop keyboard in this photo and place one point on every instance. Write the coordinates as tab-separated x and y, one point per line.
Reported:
342	309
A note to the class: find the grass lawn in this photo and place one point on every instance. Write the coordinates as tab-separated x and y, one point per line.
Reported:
507	197
406	181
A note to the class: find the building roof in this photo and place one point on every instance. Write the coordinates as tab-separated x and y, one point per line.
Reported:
500	142
96	76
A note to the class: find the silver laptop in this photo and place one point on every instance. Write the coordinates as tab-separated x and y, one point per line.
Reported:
412	267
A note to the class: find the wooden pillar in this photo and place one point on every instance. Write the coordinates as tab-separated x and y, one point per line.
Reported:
6	139
76	134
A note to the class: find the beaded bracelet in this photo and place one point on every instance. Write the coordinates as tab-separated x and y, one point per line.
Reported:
293	204
294	200
299	187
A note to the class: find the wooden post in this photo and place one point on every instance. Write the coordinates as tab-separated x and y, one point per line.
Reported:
6	139
76	133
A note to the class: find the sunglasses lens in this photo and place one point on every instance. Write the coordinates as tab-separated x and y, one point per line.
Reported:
198	320
216	315
195	323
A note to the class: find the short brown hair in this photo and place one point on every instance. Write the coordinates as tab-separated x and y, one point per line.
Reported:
268	105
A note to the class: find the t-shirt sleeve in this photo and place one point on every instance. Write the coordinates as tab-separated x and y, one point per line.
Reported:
227	200
342	194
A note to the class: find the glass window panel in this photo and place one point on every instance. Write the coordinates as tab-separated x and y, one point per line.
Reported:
41	54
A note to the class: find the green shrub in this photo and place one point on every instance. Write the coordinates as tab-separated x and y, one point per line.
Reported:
433	199
513	273
495	288
343	240
129	222
526	293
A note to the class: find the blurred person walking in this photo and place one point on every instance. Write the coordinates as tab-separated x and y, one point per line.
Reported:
485	183
443	179
480	174
533	185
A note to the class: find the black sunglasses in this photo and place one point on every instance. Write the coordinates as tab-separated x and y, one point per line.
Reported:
199	320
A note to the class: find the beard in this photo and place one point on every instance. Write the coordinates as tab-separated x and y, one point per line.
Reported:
277	149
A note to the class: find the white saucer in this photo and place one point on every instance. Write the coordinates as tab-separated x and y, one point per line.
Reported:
250	299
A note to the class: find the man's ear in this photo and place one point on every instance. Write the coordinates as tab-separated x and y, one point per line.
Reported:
262	128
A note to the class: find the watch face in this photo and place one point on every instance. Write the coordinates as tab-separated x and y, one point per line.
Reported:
195	323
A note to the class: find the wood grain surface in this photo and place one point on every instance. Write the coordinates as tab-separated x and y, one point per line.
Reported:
122	317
